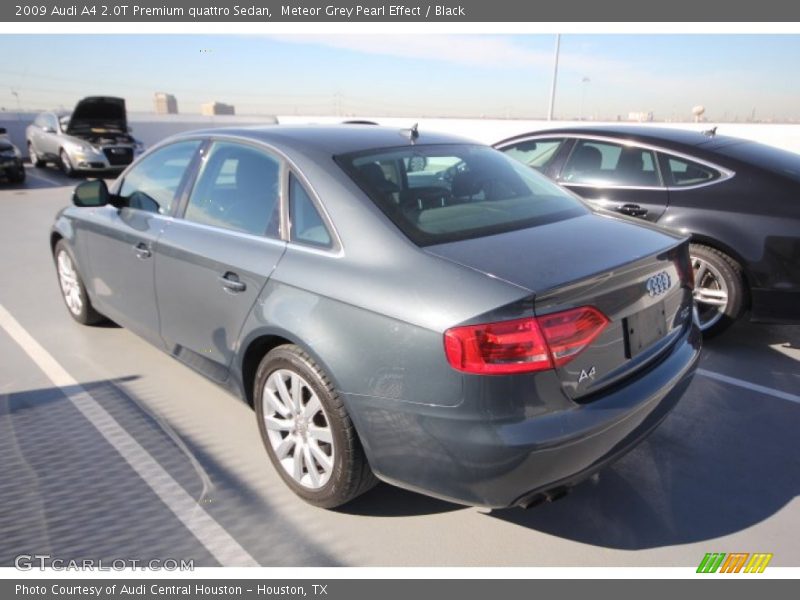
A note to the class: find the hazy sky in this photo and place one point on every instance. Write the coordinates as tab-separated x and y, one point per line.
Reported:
415	75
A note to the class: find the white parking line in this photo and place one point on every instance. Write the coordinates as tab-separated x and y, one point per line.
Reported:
749	386
211	534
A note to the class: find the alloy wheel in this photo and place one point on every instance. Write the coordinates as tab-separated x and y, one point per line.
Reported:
710	292
70	286
66	165
298	429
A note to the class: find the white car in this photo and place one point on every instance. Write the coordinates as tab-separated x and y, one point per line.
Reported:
94	137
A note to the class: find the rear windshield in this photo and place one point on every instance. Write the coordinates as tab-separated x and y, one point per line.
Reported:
770	158
444	193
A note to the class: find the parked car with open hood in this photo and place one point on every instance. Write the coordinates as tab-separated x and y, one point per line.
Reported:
95	137
11	166
395	304
737	199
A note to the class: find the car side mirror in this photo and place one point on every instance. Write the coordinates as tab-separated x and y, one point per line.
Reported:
48	129
90	194
3	131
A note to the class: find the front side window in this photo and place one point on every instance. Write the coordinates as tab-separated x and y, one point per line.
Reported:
151	185
537	154
610	164
306	224
683	173
451	192
238	189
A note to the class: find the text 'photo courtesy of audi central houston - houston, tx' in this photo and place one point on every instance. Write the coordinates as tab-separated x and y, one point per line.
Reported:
395	304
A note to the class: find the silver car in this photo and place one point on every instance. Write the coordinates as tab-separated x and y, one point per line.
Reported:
398	305
94	137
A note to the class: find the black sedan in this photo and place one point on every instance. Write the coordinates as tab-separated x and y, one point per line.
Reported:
737	199
11	167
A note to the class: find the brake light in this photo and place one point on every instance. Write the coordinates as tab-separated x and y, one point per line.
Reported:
569	333
523	345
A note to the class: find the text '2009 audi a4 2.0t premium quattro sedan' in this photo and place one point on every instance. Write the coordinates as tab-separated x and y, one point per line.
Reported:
396	305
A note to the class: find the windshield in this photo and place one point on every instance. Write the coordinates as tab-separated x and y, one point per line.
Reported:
444	193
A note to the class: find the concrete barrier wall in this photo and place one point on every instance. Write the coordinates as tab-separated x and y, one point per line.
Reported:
151	129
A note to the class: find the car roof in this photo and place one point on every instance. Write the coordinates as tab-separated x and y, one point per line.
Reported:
332	139
653	135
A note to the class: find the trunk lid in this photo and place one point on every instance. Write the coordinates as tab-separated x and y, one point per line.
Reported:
634	274
98	114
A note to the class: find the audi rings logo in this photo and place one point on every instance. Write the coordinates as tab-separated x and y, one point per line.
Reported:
658	284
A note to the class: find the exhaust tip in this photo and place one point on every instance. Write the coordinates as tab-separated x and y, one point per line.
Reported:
538	498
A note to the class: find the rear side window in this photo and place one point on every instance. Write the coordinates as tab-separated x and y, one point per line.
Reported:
448	192
683	173
534	153
609	164
152	183
238	189
306	224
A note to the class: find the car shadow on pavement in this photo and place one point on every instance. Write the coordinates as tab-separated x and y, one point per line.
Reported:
47	177
389	501
65	491
724	460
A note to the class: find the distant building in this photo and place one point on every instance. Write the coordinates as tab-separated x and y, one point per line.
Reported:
641	117
166	104
216	108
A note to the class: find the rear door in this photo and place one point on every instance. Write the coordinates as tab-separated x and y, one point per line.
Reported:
617	176
120	240
212	263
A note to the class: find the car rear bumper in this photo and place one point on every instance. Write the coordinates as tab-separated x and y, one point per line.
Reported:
501	463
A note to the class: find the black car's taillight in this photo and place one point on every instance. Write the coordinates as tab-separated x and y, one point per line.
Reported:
523	345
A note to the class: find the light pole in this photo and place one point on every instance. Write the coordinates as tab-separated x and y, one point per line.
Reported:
555	77
584	81
19	106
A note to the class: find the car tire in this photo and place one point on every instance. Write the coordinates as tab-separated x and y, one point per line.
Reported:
18	176
34	157
718	278
65	164
73	292
320	433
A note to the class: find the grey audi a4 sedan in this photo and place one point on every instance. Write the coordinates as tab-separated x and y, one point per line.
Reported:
395	304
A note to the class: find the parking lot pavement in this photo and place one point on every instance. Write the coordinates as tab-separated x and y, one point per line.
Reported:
110	448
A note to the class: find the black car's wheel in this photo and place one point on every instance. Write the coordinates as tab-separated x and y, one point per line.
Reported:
36	161
65	164
72	289
718	288
17	176
308	434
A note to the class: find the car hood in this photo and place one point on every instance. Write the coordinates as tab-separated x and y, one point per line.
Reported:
98	114
547	256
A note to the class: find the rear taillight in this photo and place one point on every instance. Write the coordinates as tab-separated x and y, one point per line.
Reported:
523	345
569	333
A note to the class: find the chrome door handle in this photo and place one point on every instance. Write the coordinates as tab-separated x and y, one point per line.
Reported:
142	251
230	281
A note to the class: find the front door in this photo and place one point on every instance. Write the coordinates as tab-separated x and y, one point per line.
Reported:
621	177
120	239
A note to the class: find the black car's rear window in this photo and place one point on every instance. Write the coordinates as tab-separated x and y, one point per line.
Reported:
447	192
